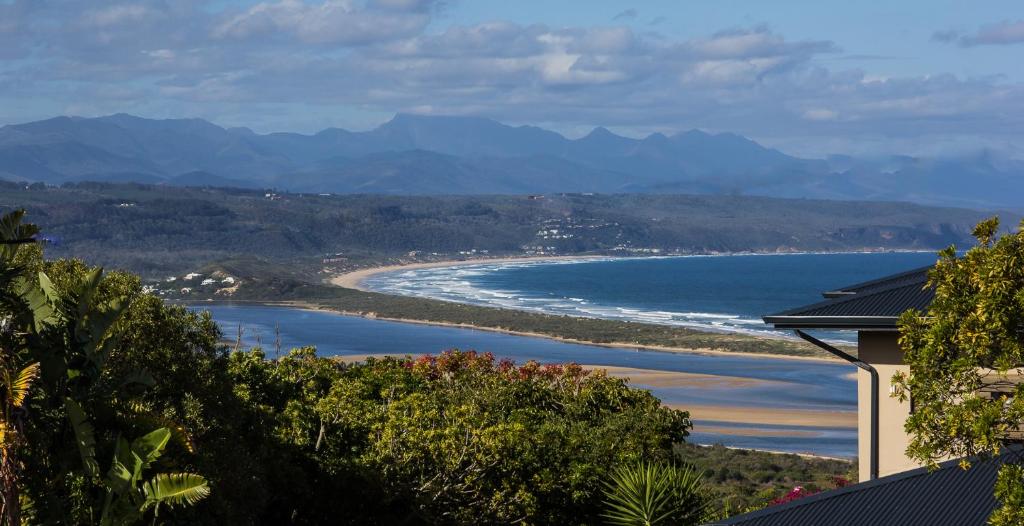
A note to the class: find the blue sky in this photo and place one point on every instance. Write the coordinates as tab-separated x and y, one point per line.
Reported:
811	78
901	31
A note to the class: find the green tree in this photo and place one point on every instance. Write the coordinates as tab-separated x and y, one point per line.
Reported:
464	439
970	340
64	407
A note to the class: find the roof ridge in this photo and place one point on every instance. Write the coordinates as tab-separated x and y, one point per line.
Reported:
842	299
891	277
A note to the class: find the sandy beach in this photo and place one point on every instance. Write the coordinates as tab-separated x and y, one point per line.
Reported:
354	279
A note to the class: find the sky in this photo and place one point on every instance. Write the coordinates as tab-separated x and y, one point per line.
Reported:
812	78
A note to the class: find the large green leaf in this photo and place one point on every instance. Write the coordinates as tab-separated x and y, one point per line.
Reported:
84	436
12	229
38	303
175	489
149	446
48	288
121	473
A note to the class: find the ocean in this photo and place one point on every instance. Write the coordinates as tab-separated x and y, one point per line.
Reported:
718	293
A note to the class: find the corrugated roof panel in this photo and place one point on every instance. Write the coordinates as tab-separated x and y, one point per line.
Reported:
871	304
949	495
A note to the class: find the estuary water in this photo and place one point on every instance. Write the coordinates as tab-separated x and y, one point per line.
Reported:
759	385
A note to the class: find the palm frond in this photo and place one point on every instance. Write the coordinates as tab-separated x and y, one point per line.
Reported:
175	489
21	384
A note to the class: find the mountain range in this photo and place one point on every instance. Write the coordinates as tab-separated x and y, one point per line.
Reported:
413	154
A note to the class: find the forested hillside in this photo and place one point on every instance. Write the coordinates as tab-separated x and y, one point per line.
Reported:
154	229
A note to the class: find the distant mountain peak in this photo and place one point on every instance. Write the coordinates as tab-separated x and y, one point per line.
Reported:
411	118
600	131
694	132
441	154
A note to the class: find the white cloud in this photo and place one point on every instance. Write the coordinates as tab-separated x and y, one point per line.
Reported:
628	14
309	60
332	21
116	15
1002	33
820	114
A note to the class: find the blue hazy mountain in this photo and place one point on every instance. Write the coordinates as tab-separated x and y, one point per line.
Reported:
413	154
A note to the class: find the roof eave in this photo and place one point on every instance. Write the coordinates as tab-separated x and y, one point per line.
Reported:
833	322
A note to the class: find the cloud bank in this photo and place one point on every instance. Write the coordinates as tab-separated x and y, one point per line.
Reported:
1000	34
292	64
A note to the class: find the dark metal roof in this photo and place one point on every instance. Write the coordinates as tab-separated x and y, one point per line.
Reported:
949	495
870	305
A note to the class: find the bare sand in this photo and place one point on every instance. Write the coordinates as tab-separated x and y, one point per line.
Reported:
770	415
716	413
354	279
656	378
755	432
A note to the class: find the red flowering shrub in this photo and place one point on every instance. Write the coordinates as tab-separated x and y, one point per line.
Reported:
798	492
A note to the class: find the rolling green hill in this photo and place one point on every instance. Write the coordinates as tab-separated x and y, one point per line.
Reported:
155	229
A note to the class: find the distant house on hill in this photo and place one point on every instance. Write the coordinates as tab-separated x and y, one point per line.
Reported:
894	489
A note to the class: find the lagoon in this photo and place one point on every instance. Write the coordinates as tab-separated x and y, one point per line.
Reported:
756	386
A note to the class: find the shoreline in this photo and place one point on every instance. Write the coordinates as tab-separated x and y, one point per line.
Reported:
353	279
707	351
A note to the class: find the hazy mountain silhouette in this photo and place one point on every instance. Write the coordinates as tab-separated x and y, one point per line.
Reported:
413	154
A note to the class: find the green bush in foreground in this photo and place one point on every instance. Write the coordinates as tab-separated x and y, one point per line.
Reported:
648	494
461	438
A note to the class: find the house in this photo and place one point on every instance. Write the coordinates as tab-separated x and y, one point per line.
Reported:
893	490
872	309
948	495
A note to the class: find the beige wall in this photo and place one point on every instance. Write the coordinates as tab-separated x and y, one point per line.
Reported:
881	350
